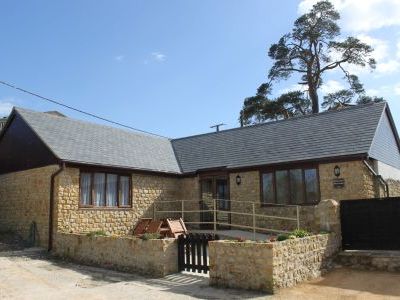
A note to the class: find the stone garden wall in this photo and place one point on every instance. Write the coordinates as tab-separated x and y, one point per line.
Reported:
302	259
156	258
269	266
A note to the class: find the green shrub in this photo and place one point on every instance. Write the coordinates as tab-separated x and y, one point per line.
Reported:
300	233
150	236
282	237
96	233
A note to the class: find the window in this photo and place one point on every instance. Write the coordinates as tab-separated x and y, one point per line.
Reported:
290	186
104	190
268	188
86	183
124	191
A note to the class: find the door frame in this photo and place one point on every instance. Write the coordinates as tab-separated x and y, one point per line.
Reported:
214	176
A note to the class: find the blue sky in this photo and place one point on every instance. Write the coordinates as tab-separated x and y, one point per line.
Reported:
171	67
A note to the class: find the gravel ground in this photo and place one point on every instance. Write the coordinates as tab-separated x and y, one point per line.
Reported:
33	274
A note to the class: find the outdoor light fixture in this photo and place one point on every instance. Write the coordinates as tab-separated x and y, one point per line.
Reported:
238	179
336	171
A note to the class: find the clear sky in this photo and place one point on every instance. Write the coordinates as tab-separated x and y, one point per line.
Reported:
171	67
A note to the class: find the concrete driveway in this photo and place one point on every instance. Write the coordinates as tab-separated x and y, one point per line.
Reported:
31	274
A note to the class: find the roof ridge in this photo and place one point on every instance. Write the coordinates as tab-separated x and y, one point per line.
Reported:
91	123
285	120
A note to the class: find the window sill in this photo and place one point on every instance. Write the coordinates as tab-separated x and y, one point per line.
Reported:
104	208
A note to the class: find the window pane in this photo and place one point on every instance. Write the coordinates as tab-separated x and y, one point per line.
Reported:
86	180
222	194
268	188
206	189
124	190
282	186
98	187
296	186
311	183
112	191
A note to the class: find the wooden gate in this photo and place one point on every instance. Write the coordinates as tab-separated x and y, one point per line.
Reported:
371	224
193	252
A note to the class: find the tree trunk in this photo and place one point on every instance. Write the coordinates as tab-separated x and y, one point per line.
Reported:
312	92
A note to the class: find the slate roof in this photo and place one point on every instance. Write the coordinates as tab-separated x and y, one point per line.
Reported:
347	132
77	141
329	134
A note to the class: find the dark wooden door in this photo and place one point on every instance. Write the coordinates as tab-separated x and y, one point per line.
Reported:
223	203
206	203
214	187
371	224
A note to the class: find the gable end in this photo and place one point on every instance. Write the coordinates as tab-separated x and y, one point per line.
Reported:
21	148
385	145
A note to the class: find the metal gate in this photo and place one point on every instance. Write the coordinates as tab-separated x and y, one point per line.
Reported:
193	252
371	224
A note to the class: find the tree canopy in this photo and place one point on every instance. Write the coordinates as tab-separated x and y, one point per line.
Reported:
312	49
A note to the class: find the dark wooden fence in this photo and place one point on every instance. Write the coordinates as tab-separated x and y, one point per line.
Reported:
371	224
193	252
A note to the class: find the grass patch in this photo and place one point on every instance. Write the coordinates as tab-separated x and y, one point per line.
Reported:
96	233
150	236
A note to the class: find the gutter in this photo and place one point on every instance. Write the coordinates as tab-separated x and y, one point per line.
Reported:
379	177
51	206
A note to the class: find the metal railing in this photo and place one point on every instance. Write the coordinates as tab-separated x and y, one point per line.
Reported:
215	210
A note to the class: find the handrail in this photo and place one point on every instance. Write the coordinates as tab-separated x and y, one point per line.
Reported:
215	210
227	200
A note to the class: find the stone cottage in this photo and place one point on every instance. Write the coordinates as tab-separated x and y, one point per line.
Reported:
66	175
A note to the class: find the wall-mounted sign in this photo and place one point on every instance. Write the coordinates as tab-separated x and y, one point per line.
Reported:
338	183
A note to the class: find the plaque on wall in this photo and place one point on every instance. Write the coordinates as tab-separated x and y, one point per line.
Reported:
338	183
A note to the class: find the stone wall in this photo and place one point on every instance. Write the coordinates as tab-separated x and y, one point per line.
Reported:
303	259
249	190
156	258
359	181
394	187
189	189
387	261
146	189
269	266
25	198
359	184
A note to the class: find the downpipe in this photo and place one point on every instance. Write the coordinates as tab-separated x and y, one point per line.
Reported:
379	177
51	206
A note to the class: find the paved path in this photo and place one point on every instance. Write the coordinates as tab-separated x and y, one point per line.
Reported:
31	274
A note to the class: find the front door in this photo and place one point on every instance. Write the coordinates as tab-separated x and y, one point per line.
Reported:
206	203
214	187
